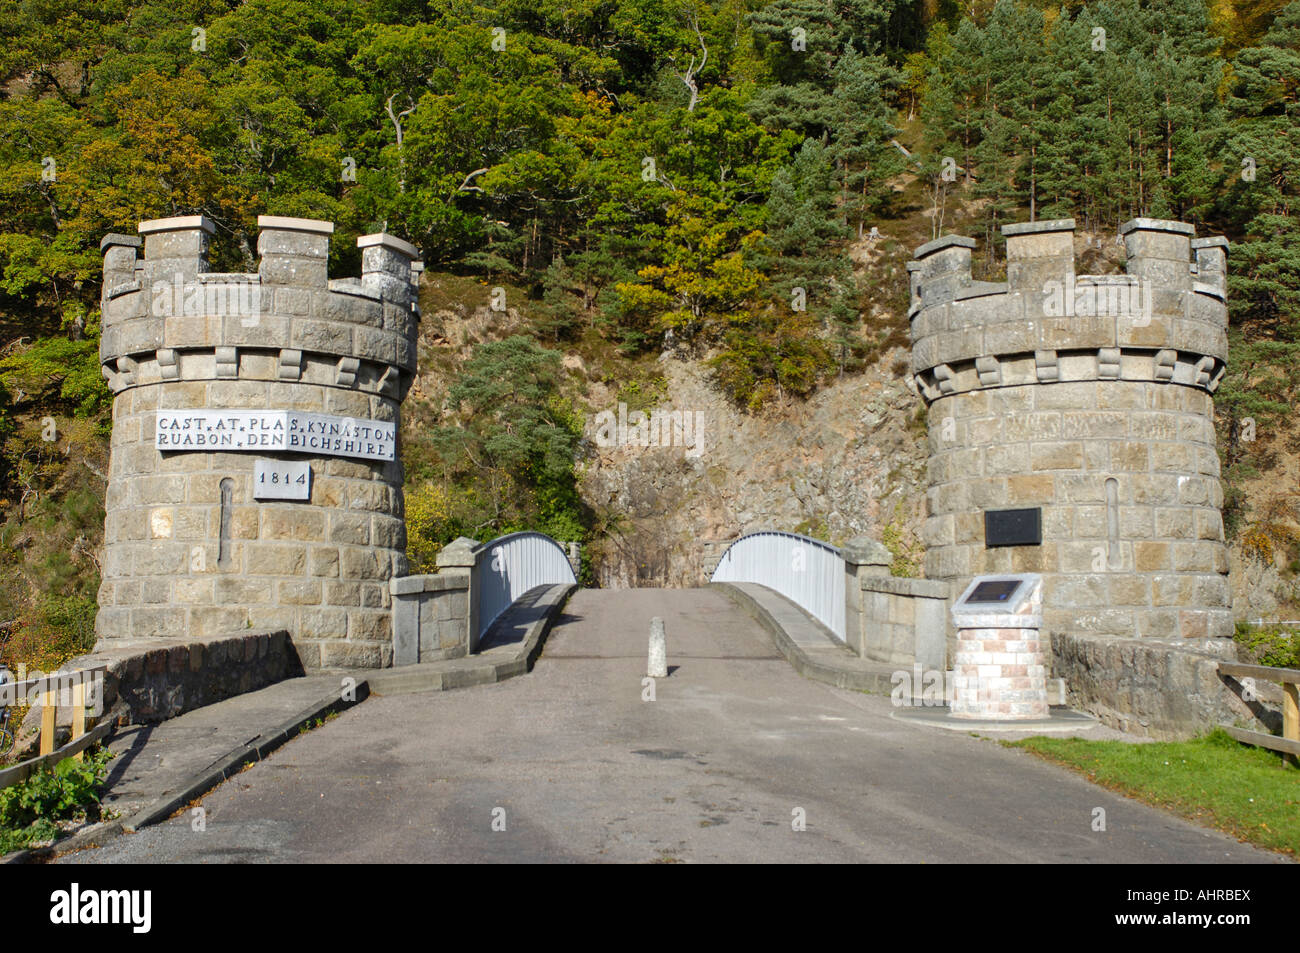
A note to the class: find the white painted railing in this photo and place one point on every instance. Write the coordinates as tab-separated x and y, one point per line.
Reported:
507	567
806	571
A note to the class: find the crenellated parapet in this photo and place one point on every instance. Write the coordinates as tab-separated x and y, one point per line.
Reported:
1164	320
167	318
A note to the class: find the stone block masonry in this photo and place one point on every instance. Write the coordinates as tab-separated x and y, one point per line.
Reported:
212	373
1168	689
889	618
1089	397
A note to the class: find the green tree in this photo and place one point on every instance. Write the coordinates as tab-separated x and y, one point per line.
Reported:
830	83
805	249
510	437
780	355
1262	159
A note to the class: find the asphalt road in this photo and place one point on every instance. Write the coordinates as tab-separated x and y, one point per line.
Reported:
574	765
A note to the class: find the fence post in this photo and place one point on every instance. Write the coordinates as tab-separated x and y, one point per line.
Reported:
78	711
49	706
1291	714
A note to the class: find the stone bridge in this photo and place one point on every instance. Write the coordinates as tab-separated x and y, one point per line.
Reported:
734	757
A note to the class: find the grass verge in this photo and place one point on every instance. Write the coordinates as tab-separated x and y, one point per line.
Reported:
1215	781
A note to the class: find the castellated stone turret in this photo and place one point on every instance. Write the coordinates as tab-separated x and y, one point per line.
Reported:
1088	400
255	480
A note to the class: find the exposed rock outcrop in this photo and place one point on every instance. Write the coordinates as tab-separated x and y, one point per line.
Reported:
849	461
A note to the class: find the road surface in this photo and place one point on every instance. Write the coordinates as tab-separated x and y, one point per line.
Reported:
735	752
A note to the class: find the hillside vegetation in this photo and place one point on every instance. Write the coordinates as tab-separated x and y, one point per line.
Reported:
635	177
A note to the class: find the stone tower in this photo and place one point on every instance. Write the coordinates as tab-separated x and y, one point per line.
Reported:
254	479
1084	402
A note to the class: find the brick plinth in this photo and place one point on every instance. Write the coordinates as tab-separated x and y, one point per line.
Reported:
1000	674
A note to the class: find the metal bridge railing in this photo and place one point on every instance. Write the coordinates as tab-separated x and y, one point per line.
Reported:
509	566
808	572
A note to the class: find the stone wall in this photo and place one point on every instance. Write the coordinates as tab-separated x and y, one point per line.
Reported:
149	681
708	553
430	617
1104	420
904	621
159	681
890	618
188	549
1163	573
1160	688
438	616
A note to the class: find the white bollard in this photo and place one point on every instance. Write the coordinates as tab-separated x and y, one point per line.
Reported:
658	665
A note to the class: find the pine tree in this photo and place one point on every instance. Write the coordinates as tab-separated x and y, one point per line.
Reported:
862	146
1019	93
954	95
804	245
1071	123
1265	198
836	89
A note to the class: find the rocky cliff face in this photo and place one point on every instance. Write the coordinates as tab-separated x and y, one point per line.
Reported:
1261	591
850	461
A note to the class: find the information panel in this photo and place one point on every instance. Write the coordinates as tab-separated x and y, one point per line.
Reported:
993	591
1013	598
287	430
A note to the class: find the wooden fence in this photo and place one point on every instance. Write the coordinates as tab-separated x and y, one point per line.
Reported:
1289	678
73	685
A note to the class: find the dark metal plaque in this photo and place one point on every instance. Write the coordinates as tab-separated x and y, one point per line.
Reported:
994	591
1013	527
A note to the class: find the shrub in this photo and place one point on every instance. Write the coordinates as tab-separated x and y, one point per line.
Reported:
68	370
1272	645
60	628
30	810
430	525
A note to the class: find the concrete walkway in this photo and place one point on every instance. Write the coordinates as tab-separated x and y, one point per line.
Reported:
807	645
571	764
153	761
158	769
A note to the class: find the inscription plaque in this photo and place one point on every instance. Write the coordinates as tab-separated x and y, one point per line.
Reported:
281	480
286	430
993	591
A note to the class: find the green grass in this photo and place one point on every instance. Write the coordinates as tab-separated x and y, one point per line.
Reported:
313	723
1250	793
